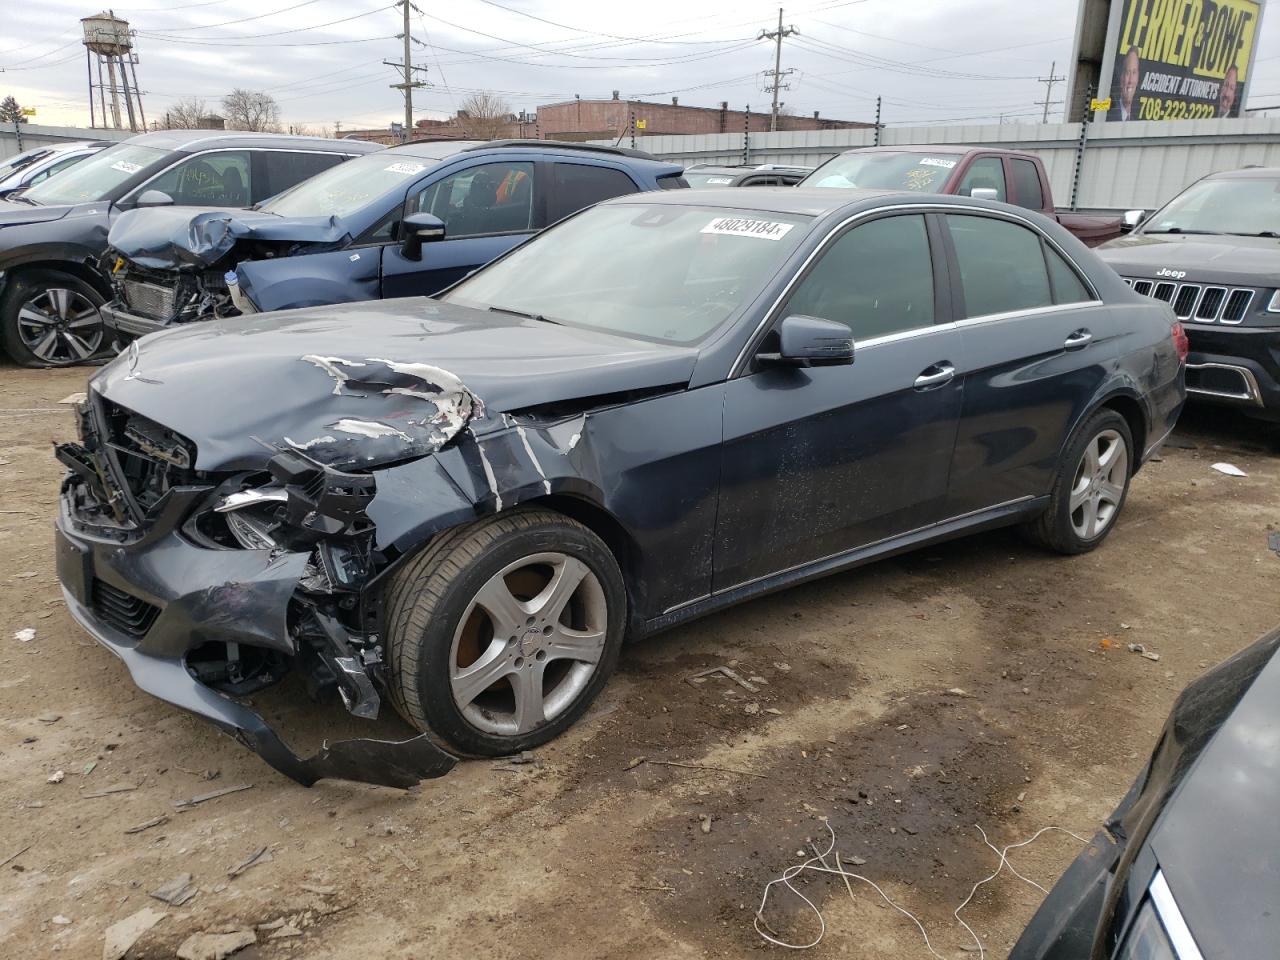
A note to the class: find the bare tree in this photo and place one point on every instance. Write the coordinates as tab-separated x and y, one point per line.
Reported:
303	130
254	110
186	114
483	115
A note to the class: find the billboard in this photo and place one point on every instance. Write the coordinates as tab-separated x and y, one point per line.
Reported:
1164	59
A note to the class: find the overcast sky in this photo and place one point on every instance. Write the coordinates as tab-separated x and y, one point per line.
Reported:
932	60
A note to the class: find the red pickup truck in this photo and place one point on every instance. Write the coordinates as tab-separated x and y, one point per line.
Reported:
986	172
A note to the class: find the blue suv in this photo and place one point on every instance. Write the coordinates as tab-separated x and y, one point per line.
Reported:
356	232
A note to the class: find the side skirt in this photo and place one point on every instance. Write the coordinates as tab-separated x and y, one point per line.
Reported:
1001	515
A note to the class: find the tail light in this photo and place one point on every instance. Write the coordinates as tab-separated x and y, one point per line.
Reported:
1180	342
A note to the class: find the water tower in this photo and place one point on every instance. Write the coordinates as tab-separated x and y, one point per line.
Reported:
108	41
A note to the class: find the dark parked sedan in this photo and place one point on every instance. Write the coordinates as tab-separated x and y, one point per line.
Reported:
1186	867
646	414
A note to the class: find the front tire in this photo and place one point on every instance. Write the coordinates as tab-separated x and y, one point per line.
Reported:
501	633
1090	489
51	319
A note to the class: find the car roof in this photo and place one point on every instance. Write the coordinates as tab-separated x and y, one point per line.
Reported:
191	140
445	148
808	201
951	148
1247	173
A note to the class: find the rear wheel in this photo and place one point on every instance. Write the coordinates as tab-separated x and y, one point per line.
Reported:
502	632
1090	488
51	319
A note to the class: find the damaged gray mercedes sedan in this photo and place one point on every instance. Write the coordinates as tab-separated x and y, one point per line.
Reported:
647	413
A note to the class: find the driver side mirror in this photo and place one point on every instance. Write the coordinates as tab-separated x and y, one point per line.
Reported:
811	341
153	198
985	193
417	229
1132	219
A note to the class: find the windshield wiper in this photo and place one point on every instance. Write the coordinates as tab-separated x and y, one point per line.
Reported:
21	199
521	313
1260	233
1210	233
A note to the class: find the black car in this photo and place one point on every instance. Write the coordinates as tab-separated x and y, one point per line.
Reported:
643	415
53	237
703	175
1213	253
355	233
1185	867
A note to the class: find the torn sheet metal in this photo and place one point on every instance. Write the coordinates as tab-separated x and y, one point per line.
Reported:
175	237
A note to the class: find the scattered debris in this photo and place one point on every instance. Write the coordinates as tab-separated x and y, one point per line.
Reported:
1273	543
88	768
706	822
521	758
74	398
177	891
25	575
148	824
318	890
723	671
635	762
1140	649
287	930
111	790
211	795
25	635
1230	469
773	710
60	920
784	667
261	855
751	709
958	692
215	946
56	777
49	717
119	937
856	861
700	766
14	856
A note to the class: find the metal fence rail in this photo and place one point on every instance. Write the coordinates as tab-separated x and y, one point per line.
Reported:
1125	165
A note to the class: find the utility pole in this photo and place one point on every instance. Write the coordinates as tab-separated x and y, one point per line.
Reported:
1048	82
777	73
408	84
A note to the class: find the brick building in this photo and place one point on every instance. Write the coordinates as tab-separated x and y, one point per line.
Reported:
599	119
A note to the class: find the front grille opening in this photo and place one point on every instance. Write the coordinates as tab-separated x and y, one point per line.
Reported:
1211	303
235	668
1143	287
1237	306
1164	291
129	614
1185	301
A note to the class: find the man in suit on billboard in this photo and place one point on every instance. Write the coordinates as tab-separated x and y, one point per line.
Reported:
1125	106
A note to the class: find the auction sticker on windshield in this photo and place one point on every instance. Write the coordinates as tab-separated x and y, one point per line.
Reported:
743	227
406	168
124	166
937	162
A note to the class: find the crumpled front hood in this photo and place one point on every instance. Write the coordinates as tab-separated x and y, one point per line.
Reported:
1238	261
13	213
360	385
168	238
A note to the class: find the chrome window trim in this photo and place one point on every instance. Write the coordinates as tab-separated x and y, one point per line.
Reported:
1184	944
924	208
205	153
1015	314
1252	394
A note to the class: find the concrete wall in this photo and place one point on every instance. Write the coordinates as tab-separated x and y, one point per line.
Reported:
35	135
1126	165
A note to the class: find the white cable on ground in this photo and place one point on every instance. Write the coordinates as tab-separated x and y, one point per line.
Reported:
818	864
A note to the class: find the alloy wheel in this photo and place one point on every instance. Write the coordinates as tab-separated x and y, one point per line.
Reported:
1099	484
60	326
528	643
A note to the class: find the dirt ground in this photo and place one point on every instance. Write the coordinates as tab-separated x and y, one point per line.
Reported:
590	851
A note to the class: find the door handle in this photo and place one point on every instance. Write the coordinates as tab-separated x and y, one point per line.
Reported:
1078	339
935	376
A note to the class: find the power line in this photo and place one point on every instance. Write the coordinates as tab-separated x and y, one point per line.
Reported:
278	33
777	73
228	23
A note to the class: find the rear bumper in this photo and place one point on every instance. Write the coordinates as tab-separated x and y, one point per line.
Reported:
1238	366
119	320
177	596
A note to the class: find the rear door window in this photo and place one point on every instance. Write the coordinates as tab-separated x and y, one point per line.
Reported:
578	185
877	279
1026	185
485	199
1002	266
220	179
984	173
283	169
1067	285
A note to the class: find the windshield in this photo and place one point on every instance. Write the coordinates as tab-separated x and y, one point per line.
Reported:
349	187
708	179
1248	207
95	177
924	172
655	271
